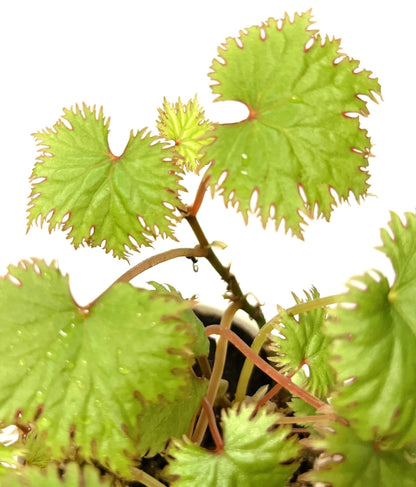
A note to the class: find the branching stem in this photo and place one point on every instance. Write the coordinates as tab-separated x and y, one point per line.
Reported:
232	284
216	436
260	339
153	261
264	366
217	371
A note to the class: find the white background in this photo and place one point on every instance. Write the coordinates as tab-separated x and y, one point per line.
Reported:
126	56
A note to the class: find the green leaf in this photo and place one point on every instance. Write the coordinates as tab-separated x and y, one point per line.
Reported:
373	353
9	457
348	461
201	347
254	454
78	183
297	148
188	129
74	476
84	375
171	419
302	342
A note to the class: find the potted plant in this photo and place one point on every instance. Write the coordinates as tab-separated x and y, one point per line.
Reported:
125	390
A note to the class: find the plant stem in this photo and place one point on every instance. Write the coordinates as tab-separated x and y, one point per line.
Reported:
232	284
216	436
146	479
217	371
304	419
247	369
153	261
265	367
261	337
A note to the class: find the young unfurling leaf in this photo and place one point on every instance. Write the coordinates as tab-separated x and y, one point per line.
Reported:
187	128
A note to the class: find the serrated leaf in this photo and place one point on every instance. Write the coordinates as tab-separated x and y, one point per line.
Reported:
348	461
296	148
80	185
187	127
374	346
253	454
304	343
173	419
89	372
201	347
74	476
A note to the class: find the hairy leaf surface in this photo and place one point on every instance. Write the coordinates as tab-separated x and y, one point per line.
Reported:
351	462
252	454
92	372
97	196
304	344
297	148
74	476
188	128
374	346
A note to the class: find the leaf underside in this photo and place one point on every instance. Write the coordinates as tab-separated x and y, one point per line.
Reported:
89	374
374	343
297	149
117	202
253	454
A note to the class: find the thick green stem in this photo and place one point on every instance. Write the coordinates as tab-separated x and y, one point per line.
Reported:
217	371
260	339
232	284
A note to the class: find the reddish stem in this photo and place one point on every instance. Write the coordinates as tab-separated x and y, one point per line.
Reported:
264	366
266	398
212	423
199	198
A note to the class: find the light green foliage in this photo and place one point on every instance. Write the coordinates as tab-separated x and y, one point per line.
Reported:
187	128
350	461
296	148
374	346
253	454
9	458
97	196
304	343
74	476
172	418
93	371
201	347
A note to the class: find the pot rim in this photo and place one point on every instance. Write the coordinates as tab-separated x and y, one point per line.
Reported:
241	319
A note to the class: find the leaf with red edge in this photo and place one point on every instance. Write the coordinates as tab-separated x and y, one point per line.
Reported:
298	149
118	202
373	345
